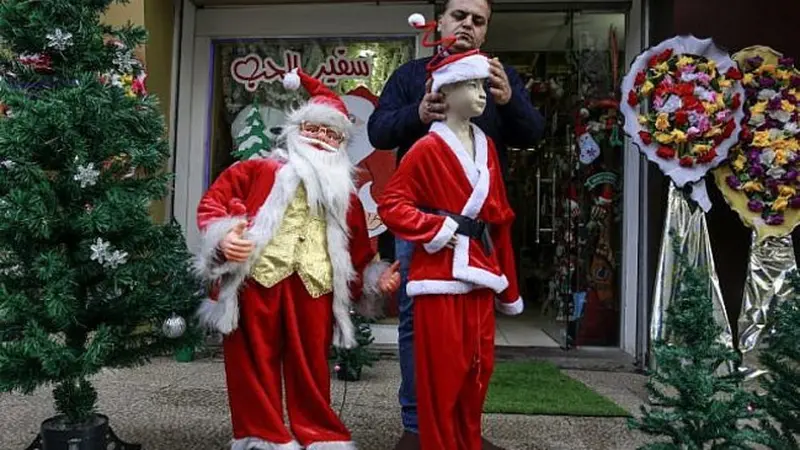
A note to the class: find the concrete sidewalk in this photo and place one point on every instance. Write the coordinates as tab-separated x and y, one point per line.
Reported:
169	405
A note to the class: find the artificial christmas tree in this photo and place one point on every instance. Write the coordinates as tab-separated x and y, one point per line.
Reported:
350	362
87	279
781	359
707	409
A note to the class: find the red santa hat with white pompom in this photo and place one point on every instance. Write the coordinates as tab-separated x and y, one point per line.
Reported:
446	68
323	108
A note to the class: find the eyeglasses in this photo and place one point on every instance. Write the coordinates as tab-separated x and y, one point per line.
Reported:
329	132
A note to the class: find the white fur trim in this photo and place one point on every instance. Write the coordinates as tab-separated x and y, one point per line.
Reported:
291	80
371	303
416	20
443	236
344	335
430	287
207	262
340	445
510	309
464	272
474	67
320	114
252	443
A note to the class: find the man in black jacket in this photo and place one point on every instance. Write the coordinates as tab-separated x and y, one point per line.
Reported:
405	111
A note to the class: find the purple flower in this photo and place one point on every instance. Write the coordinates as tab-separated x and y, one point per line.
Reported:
750	92
794	203
791	175
755	61
773	123
756	171
733	182
754	155
796	81
786	61
755	205
766	82
772	184
774	220
775	103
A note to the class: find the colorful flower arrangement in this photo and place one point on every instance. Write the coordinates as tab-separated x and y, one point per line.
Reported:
692	106
766	163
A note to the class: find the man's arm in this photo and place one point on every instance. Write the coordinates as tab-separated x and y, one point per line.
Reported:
522	124
396	121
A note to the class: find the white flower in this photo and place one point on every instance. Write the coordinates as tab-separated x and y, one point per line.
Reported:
767	94
87	175
100	250
115	259
781	115
775	134
672	104
8	164
757	119
59	40
792	128
767	156
776	172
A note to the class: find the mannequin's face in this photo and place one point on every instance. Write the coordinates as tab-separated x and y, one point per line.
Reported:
466	99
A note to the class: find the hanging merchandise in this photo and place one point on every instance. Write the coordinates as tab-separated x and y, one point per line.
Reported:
682	108
761	184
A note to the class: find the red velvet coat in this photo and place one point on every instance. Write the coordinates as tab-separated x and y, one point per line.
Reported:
438	173
259	191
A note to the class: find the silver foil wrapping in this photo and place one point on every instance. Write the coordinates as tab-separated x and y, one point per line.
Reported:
767	285
691	230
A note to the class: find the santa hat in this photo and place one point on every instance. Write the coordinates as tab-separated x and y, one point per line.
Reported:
446	68
324	107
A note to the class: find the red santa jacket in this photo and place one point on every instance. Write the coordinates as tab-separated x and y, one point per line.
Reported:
259	191
438	173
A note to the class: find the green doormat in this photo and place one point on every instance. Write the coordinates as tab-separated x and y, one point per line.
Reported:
540	388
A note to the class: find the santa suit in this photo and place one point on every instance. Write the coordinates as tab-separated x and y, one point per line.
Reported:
278	309
457	289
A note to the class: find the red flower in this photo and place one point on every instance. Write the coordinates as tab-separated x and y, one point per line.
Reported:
665	55
687	161
665	152
640	79
681	117
633	99
734	74
745	135
708	156
691	103
684	89
653	61
646	138
736	101
730	127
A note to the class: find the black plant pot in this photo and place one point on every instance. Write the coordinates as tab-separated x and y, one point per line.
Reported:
348	375
94	434
58	434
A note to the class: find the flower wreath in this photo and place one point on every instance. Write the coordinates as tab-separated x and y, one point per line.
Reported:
765	165
695	104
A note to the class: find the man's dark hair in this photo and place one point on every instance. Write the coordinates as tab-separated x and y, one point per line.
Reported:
447	3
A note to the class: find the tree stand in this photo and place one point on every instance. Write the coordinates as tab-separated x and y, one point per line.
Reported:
94	434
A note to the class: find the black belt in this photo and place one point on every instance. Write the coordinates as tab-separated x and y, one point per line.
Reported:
472	228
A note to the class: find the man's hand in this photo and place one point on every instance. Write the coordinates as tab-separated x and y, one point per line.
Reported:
390	279
498	82
453	241
432	107
234	247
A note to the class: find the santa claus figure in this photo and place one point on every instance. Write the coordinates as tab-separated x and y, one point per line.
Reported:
448	197
285	245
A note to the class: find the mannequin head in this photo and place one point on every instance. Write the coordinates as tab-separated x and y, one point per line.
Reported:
465	99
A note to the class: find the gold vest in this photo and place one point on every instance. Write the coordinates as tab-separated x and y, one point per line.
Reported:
300	245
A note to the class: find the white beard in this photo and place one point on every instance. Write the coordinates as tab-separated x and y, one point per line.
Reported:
327	176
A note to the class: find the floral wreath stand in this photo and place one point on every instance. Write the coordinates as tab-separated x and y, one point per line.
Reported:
761	184
682	109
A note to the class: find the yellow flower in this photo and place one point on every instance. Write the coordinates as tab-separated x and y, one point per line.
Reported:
720	101
781	157
759	108
684	61
739	162
129	93
702	67
647	87
662	121
761	139
644	120
769	68
699	149
663	67
712	65
753	186
786	191
780	204
678	136
710	108
748	79
783	75
796	94
792	145
664	138
725	83
126	79
788	107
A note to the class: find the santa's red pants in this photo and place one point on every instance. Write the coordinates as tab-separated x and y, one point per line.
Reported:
282	327
454	356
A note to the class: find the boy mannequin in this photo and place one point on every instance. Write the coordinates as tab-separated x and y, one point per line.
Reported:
447	196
